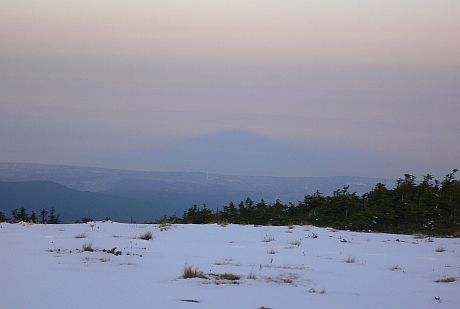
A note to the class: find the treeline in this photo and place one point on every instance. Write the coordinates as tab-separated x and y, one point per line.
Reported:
428	206
21	214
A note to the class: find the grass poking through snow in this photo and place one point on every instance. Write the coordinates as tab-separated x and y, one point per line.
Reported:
350	259
440	249
87	247
446	280
192	272
146	236
81	235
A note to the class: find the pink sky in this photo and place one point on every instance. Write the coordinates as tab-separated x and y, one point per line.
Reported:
409	32
87	78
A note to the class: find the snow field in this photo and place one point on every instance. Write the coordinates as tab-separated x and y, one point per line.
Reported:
44	266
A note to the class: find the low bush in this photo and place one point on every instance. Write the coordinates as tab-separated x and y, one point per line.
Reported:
146	236
88	247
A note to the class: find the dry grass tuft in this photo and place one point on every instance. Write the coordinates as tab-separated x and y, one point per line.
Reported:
440	249
350	259
87	247
192	272
289	278
164	226
252	276
296	242
127	264
271	251
228	276
446	280
268	238
82	235
313	291
146	236
396	267
226	262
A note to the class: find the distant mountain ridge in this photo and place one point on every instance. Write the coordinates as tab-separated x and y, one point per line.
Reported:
243	153
160	193
69	204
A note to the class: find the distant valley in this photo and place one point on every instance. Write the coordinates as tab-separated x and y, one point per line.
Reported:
77	192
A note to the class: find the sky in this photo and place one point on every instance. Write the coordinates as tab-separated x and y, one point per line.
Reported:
98	82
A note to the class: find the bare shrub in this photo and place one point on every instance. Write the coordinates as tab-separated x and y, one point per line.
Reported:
268	238
104	259
87	247
252	276
296	242
271	251
146	236
396	267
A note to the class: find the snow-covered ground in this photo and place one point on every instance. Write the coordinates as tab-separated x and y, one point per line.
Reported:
43	266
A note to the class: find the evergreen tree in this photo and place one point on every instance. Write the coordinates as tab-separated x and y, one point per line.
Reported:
43	214
430	207
33	217
22	215
15	217
52	218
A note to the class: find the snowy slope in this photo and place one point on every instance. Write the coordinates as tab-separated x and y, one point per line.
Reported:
42	266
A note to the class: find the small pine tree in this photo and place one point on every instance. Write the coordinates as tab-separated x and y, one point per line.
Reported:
15	215
52	218
23	215
43	214
33	217
2	217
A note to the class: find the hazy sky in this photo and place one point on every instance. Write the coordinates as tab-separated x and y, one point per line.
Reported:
84	79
